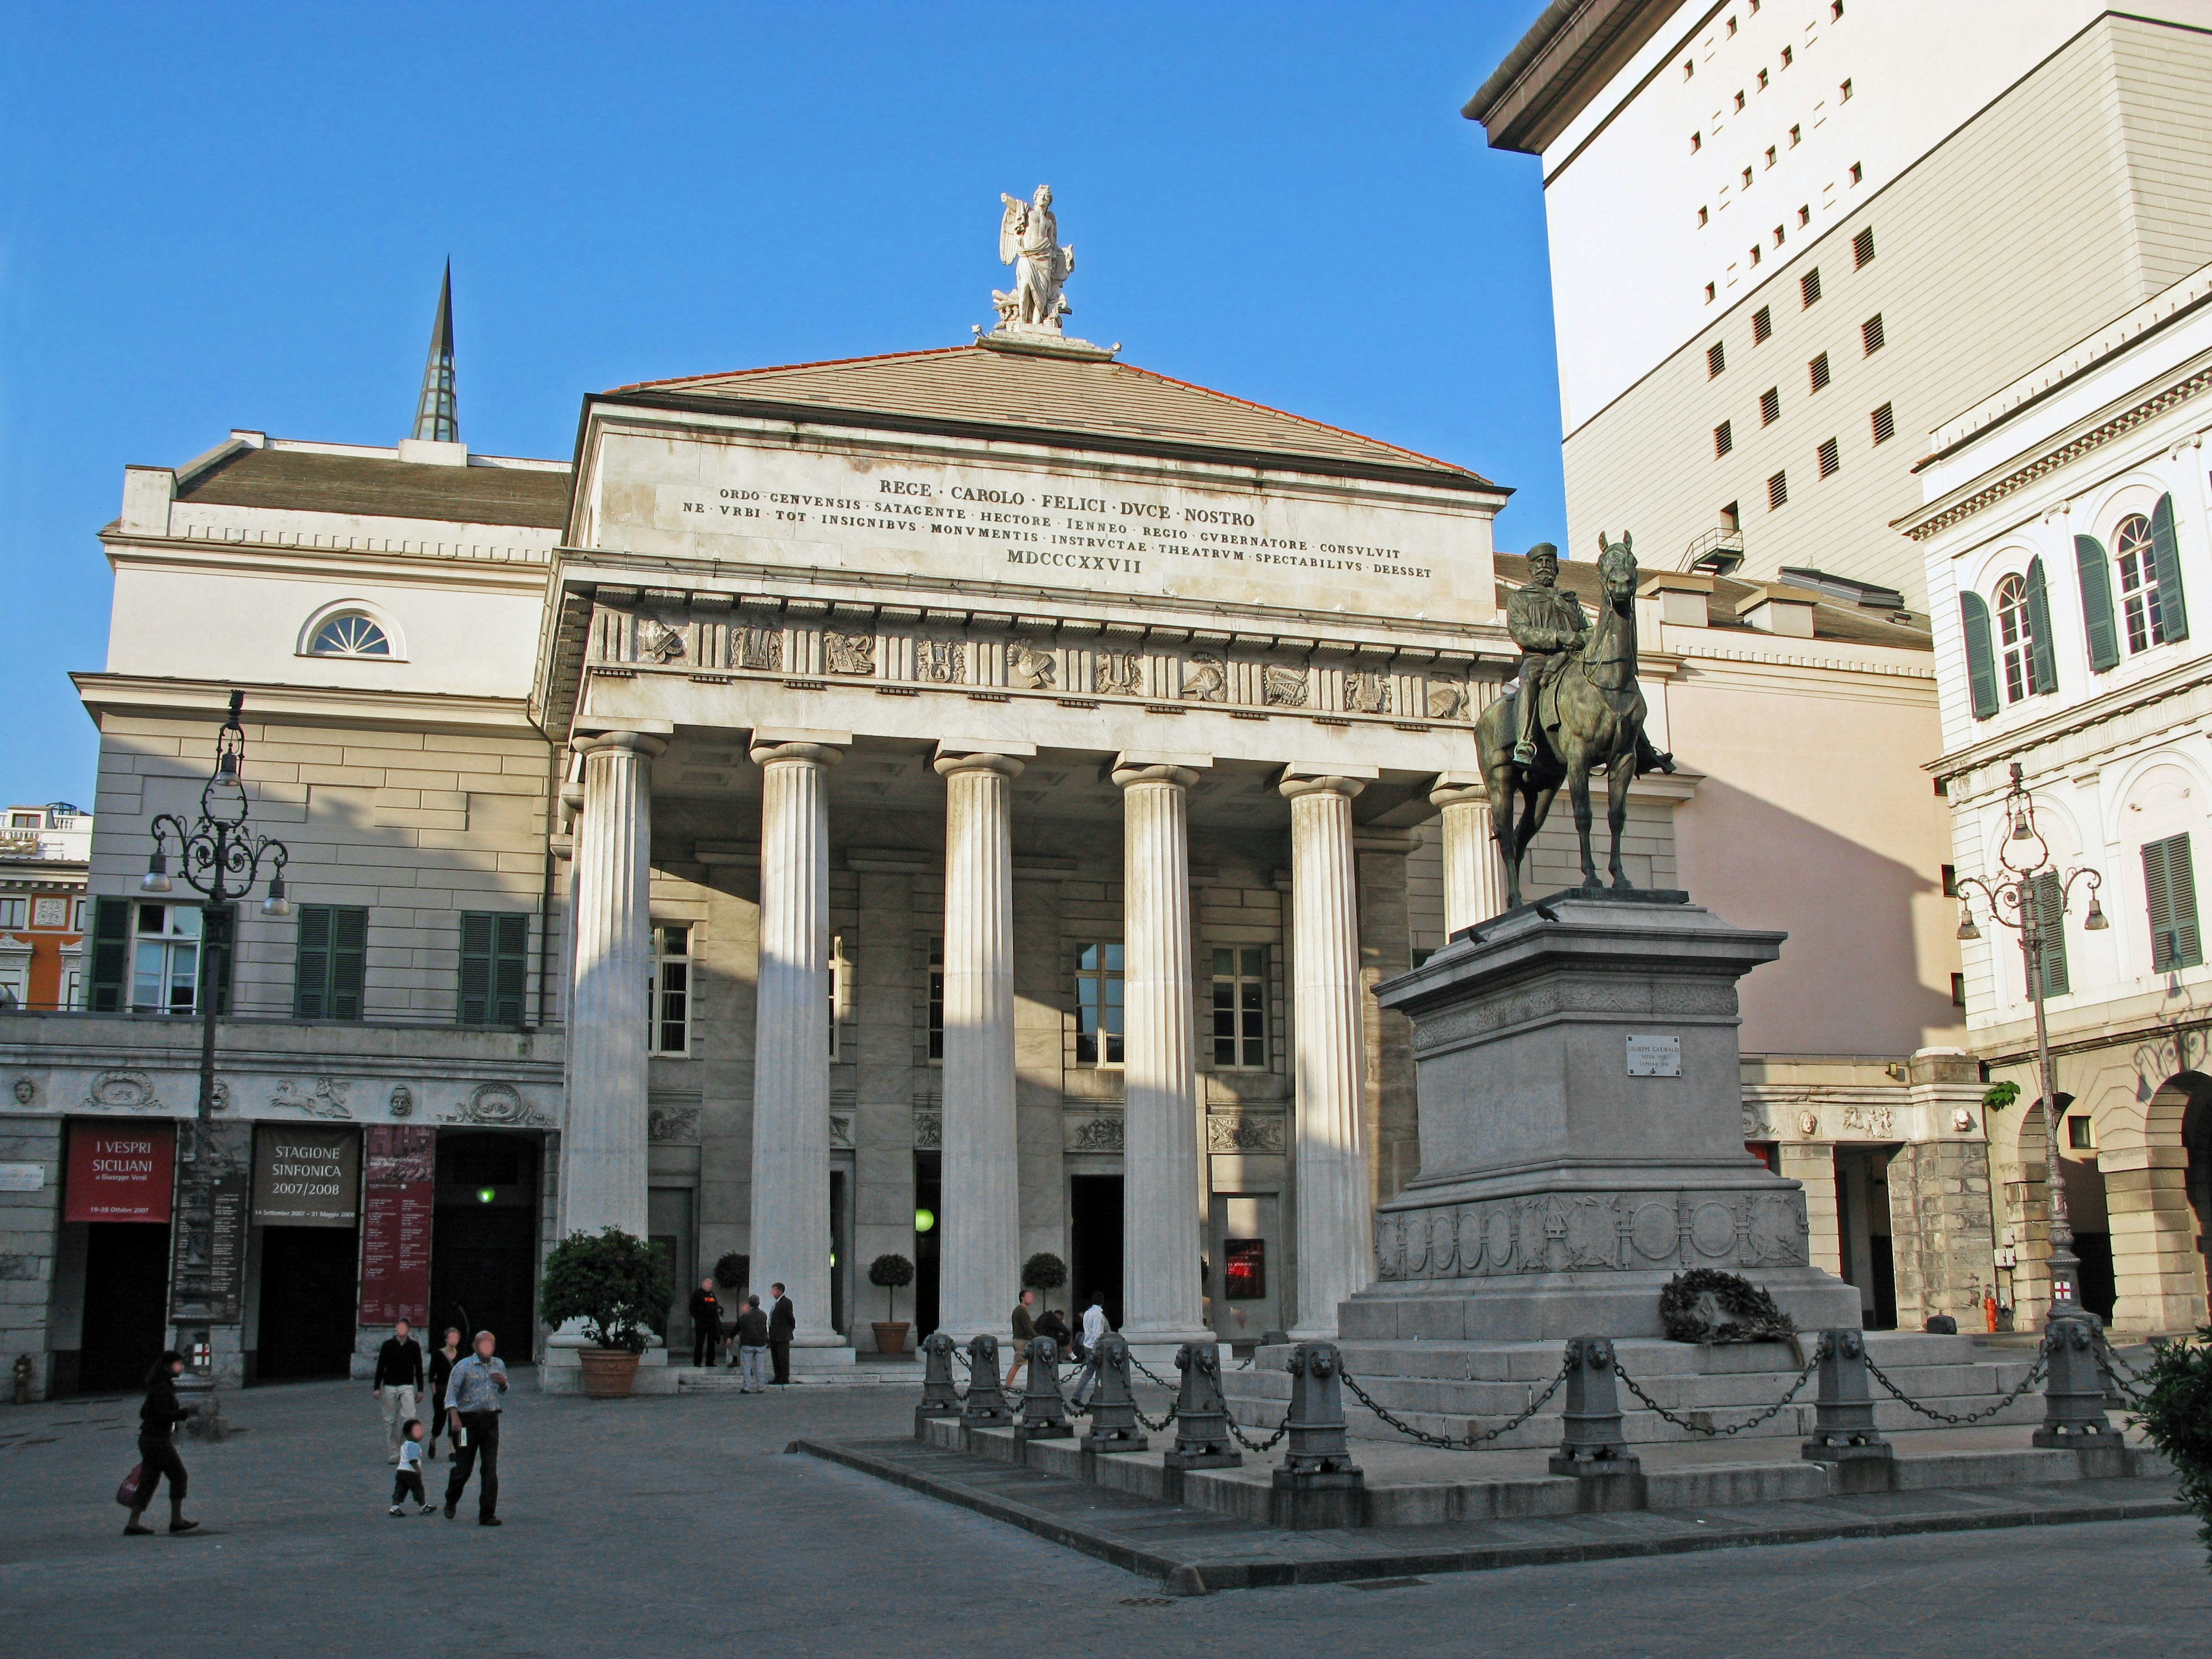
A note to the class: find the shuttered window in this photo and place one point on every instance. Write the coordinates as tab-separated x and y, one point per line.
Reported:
1817	372
2170	890
2048	896
1862	244
1762	324
1808	286
1884	421
1724	439
1828	458
1769	406
1981	656
2166	551
326	979
494	966
1870	334
1716	359
1778	491
2098	625
111	954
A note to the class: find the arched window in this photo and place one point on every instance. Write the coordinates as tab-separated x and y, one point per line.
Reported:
2139	584
2015	638
349	634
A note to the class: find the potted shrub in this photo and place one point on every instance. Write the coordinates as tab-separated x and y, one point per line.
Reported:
891	1272
617	1286
1043	1273
734	1271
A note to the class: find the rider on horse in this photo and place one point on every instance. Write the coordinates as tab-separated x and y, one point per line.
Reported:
1551	630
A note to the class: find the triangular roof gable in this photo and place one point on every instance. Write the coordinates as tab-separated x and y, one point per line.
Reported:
1051	396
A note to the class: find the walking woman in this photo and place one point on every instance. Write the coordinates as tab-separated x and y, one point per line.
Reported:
157	1453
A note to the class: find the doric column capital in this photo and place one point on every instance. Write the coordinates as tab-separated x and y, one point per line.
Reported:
816	754
1458	789
638	743
1006	766
1182	777
1297	782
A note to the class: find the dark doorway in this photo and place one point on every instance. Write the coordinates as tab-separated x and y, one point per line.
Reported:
126	1293
2197	1139
1094	1217
1862	1217
929	1195
2100	1291
308	1287
483	1241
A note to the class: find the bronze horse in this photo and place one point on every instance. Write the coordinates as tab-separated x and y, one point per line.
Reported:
1589	715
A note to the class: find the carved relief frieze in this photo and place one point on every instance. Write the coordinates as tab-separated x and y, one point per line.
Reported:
675	1126
1205	679
848	653
757	647
928	1131
325	1097
1448	699
1032	668
122	1091
941	662
499	1105
1118	674
1100	1134
1284	687
1592	1232
1246	1132
657	641
1367	693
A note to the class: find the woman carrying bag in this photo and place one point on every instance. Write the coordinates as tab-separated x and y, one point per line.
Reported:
157	1453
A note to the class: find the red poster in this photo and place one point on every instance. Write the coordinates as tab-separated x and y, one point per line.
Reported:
397	1191
120	1172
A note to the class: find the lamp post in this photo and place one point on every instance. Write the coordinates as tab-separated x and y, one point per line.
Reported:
2021	898
219	857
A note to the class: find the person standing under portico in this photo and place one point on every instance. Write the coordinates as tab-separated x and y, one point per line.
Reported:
782	1326
399	1382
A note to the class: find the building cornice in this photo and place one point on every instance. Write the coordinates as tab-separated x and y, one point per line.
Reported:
1565	60
2108	425
304	705
510	569
2194	675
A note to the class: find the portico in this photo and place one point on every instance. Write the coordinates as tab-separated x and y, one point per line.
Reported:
1005	823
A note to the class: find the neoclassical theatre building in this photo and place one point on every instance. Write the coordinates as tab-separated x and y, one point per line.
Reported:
956	803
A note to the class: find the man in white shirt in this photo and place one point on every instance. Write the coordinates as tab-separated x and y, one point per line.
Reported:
1094	1327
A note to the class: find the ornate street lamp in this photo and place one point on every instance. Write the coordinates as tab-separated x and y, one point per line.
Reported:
221	858
2021	898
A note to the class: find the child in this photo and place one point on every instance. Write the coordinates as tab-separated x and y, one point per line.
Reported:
409	1476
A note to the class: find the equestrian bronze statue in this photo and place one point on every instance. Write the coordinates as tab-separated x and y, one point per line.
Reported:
1576	710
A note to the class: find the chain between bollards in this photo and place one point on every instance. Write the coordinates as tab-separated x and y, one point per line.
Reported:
1636	1389
1474	1442
2034	1376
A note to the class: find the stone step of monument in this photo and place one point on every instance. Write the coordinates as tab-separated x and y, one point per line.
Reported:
690	1379
1648	1356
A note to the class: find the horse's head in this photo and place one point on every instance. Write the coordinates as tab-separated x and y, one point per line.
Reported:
1616	568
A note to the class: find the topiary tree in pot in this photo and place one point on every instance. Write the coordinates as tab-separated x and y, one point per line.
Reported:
891	1272
734	1271
1043	1272
617	1286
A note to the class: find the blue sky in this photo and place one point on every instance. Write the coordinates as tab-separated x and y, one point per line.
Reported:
218	216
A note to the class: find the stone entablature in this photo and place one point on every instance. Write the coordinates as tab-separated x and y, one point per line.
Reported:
1594	1232
1047	658
1928	1112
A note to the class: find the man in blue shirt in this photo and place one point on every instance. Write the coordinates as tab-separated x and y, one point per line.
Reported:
472	1412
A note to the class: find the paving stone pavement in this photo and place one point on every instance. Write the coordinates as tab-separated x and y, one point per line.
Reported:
679	1526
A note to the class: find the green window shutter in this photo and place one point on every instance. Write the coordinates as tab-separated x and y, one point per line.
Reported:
311	971
2048	896
218	931
111	953
2103	632
2166	552
1981	660
2170	893
510	969
478	931
348	959
2042	660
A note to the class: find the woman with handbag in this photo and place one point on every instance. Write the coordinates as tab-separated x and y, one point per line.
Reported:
157	1453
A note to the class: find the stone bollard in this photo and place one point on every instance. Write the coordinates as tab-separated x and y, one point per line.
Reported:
1317	1484
1113	1408
1844	1430
985	1408
1203	1439
1044	1413
1594	1443
2074	1389
940	1398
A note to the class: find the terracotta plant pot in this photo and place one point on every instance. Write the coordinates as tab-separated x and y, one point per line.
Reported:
609	1373
890	1336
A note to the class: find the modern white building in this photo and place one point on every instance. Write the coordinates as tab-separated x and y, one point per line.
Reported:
2066	532
1785	232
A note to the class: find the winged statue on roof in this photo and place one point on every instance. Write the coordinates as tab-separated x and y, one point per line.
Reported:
1029	240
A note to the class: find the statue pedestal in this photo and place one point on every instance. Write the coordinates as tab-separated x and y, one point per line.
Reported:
1581	1140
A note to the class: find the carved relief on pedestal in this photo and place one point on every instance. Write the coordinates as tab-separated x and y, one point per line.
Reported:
1284	687
848	653
1592	1232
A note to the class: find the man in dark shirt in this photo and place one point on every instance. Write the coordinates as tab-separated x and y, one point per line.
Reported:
752	1346
706	1324
398	1380
782	1326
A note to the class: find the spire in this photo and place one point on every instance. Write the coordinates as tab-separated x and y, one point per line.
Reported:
437	416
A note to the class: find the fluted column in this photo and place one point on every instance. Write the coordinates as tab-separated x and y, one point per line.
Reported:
1334	1226
603	1138
1474	873
1161	1193
979	1274
791	1036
